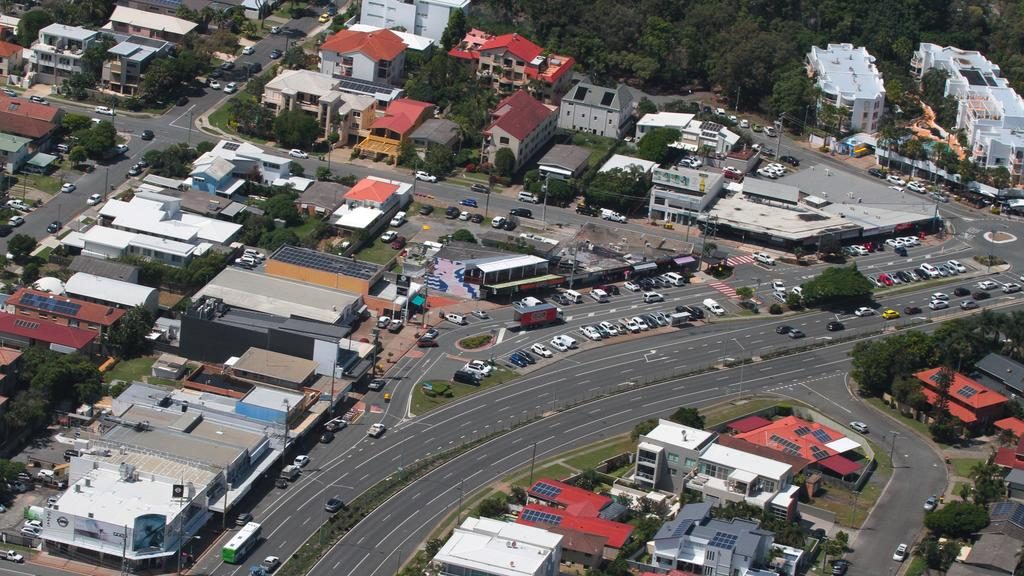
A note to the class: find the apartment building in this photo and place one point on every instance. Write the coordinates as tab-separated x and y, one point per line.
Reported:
667	454
148	24
848	78
520	123
511	62
350	115
593	109
57	54
487	547
377	56
989	111
681	194
128	60
421	17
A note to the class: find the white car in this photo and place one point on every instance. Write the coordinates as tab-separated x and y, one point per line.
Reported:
478	367
388	236
893	179
798	290
864	311
425	176
744	123
764	258
940	296
557	344
938	304
650	297
105	110
94	199
68	188
895	243
376	431
567	341
248	50
16	221
859	427
122	148
916	187
900	554
464	216
383	321
214	85
640	323
987	285
610	328
632	286
896	188
541	350
778	286
301	461
1011	287
31	531
765	173
590	332
769	131
231	88
957	266
296	153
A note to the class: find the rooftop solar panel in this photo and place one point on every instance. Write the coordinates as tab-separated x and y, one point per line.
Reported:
818	453
365	87
530	515
967	391
723	540
802	431
231	146
307	258
1002	508
546	490
821	436
55	305
787	445
1018	516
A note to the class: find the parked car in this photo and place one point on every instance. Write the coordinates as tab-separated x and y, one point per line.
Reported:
275	54
900	554
16	221
876	173
53	227
791	160
398	243
541	350
68	188
426	210
296	153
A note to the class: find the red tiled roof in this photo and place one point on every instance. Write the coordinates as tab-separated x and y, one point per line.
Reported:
982	398
1014	424
469	47
371	190
749	423
87	311
48	332
1007	458
8	356
520	47
575	500
403	115
7	49
839	464
555	67
616	532
27	108
519	115
965	415
20	117
377	45
811	435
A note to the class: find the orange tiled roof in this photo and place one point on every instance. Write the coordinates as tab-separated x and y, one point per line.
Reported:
377	45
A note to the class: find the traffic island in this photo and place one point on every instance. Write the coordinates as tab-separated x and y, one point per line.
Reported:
477	342
425	397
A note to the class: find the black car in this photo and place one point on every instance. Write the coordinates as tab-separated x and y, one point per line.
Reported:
281	483
695	312
148	135
981	295
587	210
5	230
134	170
451	213
377	384
326	437
835	326
275	54
217	73
876	173
227	66
182	101
426	210
508	225
53	227
521	212
476	218
791	160
142	163
839	567
783	329
481	188
334	504
904	276
911	310
961	291
254	67
526	356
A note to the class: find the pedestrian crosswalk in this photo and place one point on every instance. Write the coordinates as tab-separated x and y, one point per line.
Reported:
724	288
737	260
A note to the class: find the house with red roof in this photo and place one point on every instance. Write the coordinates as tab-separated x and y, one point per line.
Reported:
377	56
388	132
616	534
811	441
11	60
571	509
1011	457
971	402
512	62
522	124
572	499
36	304
20	333
37	122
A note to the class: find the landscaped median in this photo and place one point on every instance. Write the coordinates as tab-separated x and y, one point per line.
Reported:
441	392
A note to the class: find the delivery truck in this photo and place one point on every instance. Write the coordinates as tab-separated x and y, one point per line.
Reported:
538	315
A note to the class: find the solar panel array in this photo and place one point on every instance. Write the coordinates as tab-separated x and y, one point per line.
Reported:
821	436
327	262
723	541
802	431
787	445
531	515
818	453
681	528
967	391
232	146
364	87
1018	516
54	305
546	490
1002	508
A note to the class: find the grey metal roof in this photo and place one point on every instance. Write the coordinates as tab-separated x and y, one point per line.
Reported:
771	190
437	130
105	268
1016	476
599	96
566	157
1003	369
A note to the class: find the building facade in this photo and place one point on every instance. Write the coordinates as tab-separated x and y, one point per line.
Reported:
511	62
848	79
57	54
597	110
421	17
122	71
377	56
11	61
521	124
681	194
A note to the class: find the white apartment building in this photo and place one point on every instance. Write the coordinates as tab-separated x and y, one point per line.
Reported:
421	17
595	109
848	78
693	133
989	111
666	455
57	54
487	547
680	194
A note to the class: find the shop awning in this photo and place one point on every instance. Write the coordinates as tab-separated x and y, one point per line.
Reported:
645	267
527	283
418	300
839	464
683	260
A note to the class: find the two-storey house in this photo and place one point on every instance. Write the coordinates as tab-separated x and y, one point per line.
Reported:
377	56
350	115
57	54
521	124
31	304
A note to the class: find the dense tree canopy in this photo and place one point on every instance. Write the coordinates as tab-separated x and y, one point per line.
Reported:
838	285
296	129
957	519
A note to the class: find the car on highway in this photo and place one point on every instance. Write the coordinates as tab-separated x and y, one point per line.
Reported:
104	110
68	188
900	554
938	304
864	311
911	310
16	221
987	285
968	305
784	329
301	461
334	504
981	295
835	326
890	314
481	188
859	426
796	333
521	212
940	296
271	563
425	176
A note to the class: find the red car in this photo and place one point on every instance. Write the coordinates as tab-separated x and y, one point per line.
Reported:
426	343
732	173
398	243
884	279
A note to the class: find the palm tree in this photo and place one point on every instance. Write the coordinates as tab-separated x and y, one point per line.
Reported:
888	137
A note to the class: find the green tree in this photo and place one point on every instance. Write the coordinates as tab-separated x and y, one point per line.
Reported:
295	58
745	293
878	362
654	146
438	160
643	428
493	507
128	337
97	140
957	520
77	155
174	161
588	479
618	189
407	155
282	207
463	235
688	417
74	122
274	239
938	556
645	107
455	31
837	285
296	129
793	94
296	169
30	272
505	162
20	246
30	24
988	483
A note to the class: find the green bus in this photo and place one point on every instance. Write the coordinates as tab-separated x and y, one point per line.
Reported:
241	544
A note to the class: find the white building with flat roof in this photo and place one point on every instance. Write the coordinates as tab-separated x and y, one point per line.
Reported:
848	78
420	17
112	292
726	474
989	110
487	547
681	194
667	454
112	243
57	53
161	216
694	133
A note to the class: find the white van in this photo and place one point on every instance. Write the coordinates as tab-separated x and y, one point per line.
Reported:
399	219
932	271
573	295
531	301
674	279
714	307
455	319
599	295
63	148
612	215
525	196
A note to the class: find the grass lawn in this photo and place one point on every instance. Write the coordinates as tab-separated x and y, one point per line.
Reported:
48	184
916	425
882	457
306	228
841	502
598	145
554	471
221	119
44	254
421	403
962	466
917	567
130	370
377	251
604	450
727	412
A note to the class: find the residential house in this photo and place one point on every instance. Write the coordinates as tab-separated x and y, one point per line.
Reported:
128	60
666	455
223	170
9	27
106	268
112	292
551	503
847	78
321	198
695	135
112	243
421	17
161	216
38	305
11	60
14	151
148	24
57	53
1015	484
253	9
413	42
564	162
681	194
369	202
511	62
969	401
989	110
488	547
1003	370
811	441
388	132
991	555
436	132
21	117
350	115
20	333
521	124
1010	457
10	370
697	543
593	109
373	56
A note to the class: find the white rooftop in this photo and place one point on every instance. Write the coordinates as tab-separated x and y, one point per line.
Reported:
843	444
677	120
272	397
107	236
668	432
158	215
740	460
163	245
509	263
357	218
117	502
72	32
305	81
498	548
847	70
411	41
277	296
626	162
107	290
152	20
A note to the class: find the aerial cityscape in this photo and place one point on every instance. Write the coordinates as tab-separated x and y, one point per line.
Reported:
511	288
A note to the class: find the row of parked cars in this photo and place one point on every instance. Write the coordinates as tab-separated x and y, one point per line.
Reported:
925	271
